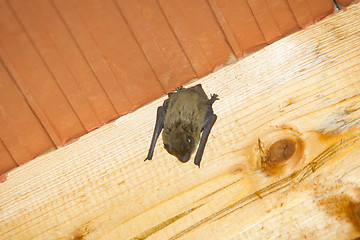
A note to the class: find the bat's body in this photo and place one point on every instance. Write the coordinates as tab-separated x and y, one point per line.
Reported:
184	115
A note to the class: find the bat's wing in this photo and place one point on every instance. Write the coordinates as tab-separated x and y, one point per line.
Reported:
208	123
159	125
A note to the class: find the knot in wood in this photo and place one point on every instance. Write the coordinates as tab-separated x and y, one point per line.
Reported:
357	211
281	150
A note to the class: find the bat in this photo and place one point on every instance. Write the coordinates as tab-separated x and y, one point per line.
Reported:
186	119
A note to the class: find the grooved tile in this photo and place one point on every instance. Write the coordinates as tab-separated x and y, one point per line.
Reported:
199	33
321	9
265	20
243	24
94	56
7	161
121	50
301	11
66	61
35	80
20	129
283	16
158	42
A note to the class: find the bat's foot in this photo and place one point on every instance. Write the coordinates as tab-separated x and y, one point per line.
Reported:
179	88
213	98
176	90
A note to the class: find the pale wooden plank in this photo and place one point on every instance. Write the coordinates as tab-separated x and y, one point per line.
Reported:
304	87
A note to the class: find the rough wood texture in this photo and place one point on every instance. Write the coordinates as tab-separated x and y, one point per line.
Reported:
290	110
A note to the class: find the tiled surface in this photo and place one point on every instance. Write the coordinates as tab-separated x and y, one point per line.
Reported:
68	67
345	3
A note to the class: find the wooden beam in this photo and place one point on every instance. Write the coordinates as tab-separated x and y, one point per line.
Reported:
282	160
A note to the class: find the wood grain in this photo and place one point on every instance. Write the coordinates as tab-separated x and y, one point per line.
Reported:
303	89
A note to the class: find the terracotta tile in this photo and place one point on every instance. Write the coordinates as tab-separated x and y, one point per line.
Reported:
121	50
302	12
35	81
345	3
199	33
12	143
265	20
158	42
63	57
94	56
320	9
242	23
6	161
226	29
283	16
20	129
53	60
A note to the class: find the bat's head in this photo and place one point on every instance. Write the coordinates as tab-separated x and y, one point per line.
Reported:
180	143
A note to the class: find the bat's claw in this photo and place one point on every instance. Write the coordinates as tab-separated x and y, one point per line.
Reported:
176	90
213	98
179	88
